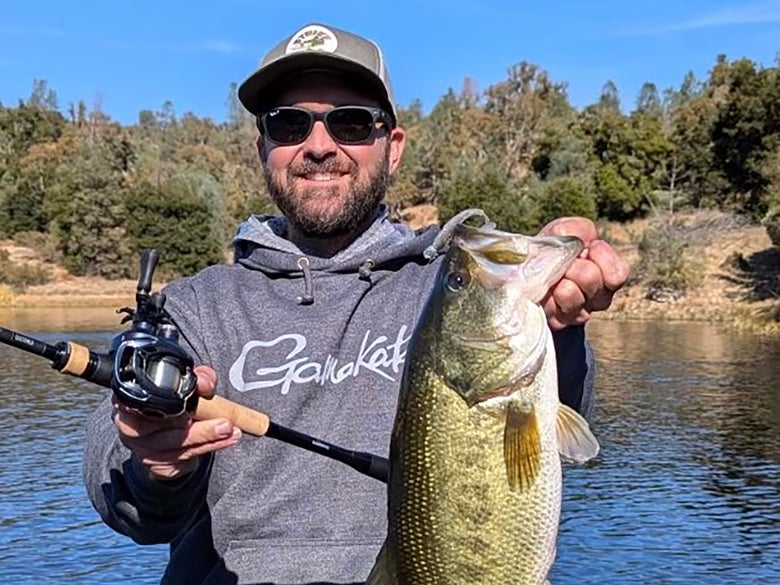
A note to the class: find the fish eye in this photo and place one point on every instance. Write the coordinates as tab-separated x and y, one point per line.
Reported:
457	281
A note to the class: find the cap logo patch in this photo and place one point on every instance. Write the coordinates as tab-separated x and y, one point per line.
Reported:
313	38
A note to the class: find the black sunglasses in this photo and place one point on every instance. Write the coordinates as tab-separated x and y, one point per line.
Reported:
345	124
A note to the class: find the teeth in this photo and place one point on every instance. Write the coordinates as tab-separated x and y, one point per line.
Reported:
321	177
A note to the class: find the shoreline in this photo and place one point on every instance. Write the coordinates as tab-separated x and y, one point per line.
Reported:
736	285
707	304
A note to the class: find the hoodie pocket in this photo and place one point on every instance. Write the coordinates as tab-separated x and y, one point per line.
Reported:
286	562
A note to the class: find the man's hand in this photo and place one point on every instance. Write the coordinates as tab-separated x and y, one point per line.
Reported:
590	282
170	447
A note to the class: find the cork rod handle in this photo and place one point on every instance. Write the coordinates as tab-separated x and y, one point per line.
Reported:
248	420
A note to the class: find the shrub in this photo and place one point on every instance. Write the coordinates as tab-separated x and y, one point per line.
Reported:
20	276
44	244
564	196
488	189
771	223
666	264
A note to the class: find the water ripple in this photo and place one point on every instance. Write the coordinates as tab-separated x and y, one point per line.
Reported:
686	489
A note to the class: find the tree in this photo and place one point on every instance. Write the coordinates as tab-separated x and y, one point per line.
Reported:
486	187
519	113
648	101
21	129
565	196
42	97
745	131
609	99
171	218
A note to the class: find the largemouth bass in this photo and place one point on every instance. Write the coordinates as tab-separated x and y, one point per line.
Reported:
475	478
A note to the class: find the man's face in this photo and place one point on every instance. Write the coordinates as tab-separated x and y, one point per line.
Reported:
326	188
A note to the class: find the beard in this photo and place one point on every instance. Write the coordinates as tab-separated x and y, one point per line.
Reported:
352	210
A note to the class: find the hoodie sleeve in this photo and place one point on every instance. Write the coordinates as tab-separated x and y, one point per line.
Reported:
576	368
126	496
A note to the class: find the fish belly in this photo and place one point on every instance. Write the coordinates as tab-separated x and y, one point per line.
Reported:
453	518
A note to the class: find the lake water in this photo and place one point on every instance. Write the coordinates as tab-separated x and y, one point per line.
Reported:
686	489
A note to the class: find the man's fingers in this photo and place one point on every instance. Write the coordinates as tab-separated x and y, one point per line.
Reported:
171	453
193	435
581	227
569	298
151	457
590	282
586	276
614	268
207	380
132	424
565	305
560	321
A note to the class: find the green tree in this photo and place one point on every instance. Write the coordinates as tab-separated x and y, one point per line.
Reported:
176	220
84	205
42	97
746	131
564	196
520	112
21	129
486	187
648	101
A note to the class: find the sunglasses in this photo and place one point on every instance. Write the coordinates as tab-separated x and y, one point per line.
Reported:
346	124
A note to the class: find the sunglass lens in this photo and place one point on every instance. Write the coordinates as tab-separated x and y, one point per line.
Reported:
288	126
350	125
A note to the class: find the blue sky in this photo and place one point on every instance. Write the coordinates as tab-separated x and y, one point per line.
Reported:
130	56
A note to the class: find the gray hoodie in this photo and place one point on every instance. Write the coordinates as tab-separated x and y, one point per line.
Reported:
320	348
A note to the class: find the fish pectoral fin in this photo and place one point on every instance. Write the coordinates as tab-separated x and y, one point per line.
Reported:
522	447
382	572
576	443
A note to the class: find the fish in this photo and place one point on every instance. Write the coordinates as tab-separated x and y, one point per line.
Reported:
474	493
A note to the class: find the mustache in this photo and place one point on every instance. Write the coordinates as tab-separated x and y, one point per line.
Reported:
325	166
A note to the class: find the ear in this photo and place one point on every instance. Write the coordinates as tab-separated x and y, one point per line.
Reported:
397	142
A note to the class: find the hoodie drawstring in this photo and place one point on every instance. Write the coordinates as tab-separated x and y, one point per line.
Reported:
307	298
364	272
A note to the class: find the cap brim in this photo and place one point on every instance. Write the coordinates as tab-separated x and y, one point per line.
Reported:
257	91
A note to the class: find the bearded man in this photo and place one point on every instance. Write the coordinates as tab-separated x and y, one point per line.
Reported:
310	324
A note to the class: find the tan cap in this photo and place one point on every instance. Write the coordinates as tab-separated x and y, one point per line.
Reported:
317	46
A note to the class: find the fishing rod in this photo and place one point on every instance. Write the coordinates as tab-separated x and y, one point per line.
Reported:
148	370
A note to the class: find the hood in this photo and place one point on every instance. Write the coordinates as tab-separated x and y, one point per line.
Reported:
260	245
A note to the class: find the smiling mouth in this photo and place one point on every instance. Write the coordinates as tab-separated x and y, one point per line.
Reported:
322	177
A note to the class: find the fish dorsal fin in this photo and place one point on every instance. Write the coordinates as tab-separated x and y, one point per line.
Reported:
575	441
522	446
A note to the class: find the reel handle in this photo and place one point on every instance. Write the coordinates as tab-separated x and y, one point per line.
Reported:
149	260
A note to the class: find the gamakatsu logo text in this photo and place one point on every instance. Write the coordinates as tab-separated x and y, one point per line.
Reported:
375	356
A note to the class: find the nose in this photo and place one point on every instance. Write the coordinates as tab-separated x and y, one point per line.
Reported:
319	144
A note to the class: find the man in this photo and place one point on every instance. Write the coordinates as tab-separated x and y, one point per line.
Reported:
310	325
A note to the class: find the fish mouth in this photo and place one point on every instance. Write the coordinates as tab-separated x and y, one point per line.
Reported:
535	263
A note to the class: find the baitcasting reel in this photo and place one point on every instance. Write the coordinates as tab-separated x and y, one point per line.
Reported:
151	371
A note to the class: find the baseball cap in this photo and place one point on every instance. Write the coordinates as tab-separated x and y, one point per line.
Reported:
319	47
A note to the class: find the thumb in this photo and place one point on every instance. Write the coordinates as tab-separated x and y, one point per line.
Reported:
207	380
